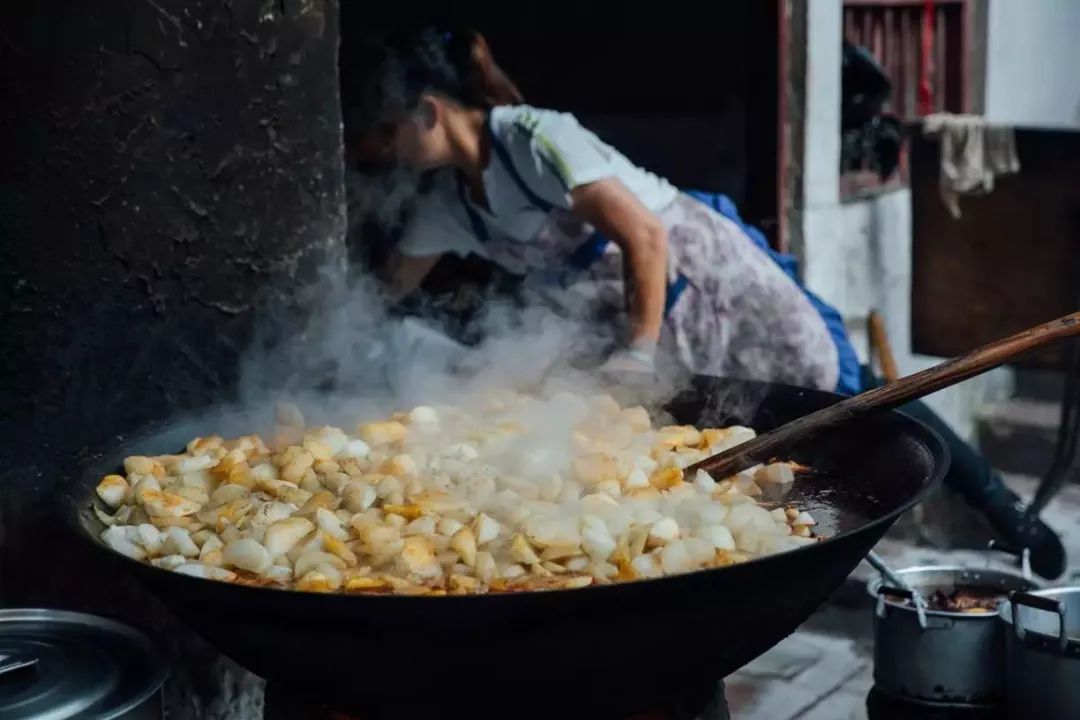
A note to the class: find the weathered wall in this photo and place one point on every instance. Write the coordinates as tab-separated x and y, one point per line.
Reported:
858	255
166	163
1033	51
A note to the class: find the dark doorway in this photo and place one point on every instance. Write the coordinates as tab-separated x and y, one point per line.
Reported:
688	94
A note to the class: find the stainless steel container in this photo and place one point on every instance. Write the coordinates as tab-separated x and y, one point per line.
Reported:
56	664
953	658
1042	644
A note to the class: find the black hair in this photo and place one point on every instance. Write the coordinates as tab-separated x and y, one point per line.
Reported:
384	77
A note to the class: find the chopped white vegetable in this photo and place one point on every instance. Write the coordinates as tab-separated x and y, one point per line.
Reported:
486	529
282	536
780	473
354	449
247	554
178	541
664	531
704	483
207	572
112	490
716	535
510	493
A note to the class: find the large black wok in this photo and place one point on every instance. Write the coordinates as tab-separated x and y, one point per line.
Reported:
622	648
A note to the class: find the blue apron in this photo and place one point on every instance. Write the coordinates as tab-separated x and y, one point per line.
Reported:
850	380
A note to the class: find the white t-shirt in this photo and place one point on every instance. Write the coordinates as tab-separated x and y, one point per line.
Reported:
552	154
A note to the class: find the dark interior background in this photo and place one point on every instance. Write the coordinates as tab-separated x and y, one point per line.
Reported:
688	91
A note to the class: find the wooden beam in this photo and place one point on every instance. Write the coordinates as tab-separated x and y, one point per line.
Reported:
791	122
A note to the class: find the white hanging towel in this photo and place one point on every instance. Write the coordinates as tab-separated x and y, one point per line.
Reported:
973	152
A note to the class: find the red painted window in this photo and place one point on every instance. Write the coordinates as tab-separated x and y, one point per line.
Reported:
923	45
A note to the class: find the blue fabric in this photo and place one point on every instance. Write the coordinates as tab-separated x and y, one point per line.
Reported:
588	252
674	290
593	249
850	381
478	227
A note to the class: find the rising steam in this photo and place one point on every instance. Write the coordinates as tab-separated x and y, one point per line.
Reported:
353	358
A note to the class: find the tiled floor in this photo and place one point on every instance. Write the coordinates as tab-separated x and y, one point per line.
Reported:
824	670
809	675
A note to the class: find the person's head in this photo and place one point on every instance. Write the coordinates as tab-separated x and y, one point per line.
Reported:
404	98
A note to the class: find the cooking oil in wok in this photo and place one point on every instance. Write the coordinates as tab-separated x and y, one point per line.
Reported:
836	505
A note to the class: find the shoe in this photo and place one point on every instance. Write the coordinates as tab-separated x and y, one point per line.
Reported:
1018	527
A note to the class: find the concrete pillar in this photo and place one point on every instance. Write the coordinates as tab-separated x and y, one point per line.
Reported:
169	166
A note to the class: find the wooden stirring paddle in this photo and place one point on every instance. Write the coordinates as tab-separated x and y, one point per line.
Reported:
771	444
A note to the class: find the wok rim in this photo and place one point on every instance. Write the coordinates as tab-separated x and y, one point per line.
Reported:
84	496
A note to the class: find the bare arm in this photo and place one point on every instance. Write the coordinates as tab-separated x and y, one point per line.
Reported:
403	273
620	216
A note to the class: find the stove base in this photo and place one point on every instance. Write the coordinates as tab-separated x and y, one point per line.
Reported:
707	703
880	706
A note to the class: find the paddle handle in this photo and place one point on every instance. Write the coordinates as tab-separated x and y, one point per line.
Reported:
766	446
879	343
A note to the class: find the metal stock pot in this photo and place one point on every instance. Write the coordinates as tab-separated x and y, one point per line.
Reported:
940	656
1042	642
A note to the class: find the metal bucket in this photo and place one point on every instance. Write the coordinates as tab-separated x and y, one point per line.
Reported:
1042	631
950	658
56	664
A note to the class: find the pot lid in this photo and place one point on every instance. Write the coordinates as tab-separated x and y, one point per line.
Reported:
56	664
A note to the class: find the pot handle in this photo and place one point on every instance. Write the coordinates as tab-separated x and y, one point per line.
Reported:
1023	555
920	610
1038	602
896	592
